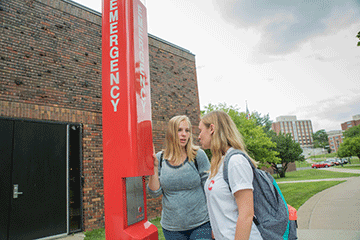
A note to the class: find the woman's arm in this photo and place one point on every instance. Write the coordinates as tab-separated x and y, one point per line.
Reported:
154	182
245	203
203	164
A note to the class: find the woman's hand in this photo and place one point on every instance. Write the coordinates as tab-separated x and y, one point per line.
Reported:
154	183
156	161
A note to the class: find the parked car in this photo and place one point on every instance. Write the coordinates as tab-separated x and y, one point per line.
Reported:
341	161
344	160
337	162
321	165
331	161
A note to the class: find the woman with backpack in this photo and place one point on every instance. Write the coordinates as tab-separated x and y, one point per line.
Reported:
181	170
231	206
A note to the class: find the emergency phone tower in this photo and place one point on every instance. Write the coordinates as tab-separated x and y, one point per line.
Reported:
127	131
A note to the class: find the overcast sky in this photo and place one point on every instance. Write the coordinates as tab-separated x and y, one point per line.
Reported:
282	57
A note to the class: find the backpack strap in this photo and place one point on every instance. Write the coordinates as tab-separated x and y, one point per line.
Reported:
196	164
161	158
226	163
226	171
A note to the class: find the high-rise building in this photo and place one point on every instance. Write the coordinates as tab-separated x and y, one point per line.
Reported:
351	123
335	138
300	130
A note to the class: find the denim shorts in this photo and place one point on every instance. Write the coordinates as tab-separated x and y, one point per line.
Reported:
202	232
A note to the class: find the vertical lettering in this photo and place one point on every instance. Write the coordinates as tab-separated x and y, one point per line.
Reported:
114	16
115	104
113	4
114	78
113	27
114	54
114	40
114	65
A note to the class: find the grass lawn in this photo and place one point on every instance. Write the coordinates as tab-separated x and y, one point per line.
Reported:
350	166
296	194
354	160
97	234
310	174
302	164
329	155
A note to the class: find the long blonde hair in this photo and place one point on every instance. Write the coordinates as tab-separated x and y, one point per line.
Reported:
225	135
172	151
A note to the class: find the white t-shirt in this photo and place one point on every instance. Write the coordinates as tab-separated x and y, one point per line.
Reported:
223	210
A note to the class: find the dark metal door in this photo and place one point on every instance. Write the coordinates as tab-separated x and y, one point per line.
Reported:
39	204
6	142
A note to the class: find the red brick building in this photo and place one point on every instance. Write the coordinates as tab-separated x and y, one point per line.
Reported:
351	123
335	138
50	69
300	130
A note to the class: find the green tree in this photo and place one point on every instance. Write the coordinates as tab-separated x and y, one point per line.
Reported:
358	36
259	146
262	121
351	144
350	147
352	132
289	151
320	139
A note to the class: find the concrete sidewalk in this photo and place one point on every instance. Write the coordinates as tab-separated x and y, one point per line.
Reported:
76	236
333	213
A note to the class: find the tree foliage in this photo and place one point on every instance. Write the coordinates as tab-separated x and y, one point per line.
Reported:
350	147
259	146
358	36
289	151
262	121
351	144
320	139
352	132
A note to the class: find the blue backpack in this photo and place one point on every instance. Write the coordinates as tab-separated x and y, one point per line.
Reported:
270	208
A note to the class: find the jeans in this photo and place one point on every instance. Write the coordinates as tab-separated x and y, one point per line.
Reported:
202	232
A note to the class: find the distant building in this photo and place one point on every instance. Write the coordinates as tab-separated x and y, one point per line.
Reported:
300	130
351	123
335	138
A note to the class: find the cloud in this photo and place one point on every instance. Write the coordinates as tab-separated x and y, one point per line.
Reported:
285	25
330	113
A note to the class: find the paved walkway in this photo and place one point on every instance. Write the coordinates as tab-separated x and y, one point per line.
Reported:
333	213
76	236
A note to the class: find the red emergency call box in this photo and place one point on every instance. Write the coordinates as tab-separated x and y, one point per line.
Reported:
127	129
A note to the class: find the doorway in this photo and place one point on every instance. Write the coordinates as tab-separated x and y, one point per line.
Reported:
37	187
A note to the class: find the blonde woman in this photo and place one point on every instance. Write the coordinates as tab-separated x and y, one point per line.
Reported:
181	170
231	210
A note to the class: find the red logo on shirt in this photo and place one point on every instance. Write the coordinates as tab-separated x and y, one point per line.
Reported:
210	185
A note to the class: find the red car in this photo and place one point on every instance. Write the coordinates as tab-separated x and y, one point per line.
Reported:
321	165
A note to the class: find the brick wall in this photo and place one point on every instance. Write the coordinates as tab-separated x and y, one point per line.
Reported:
349	124
50	69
